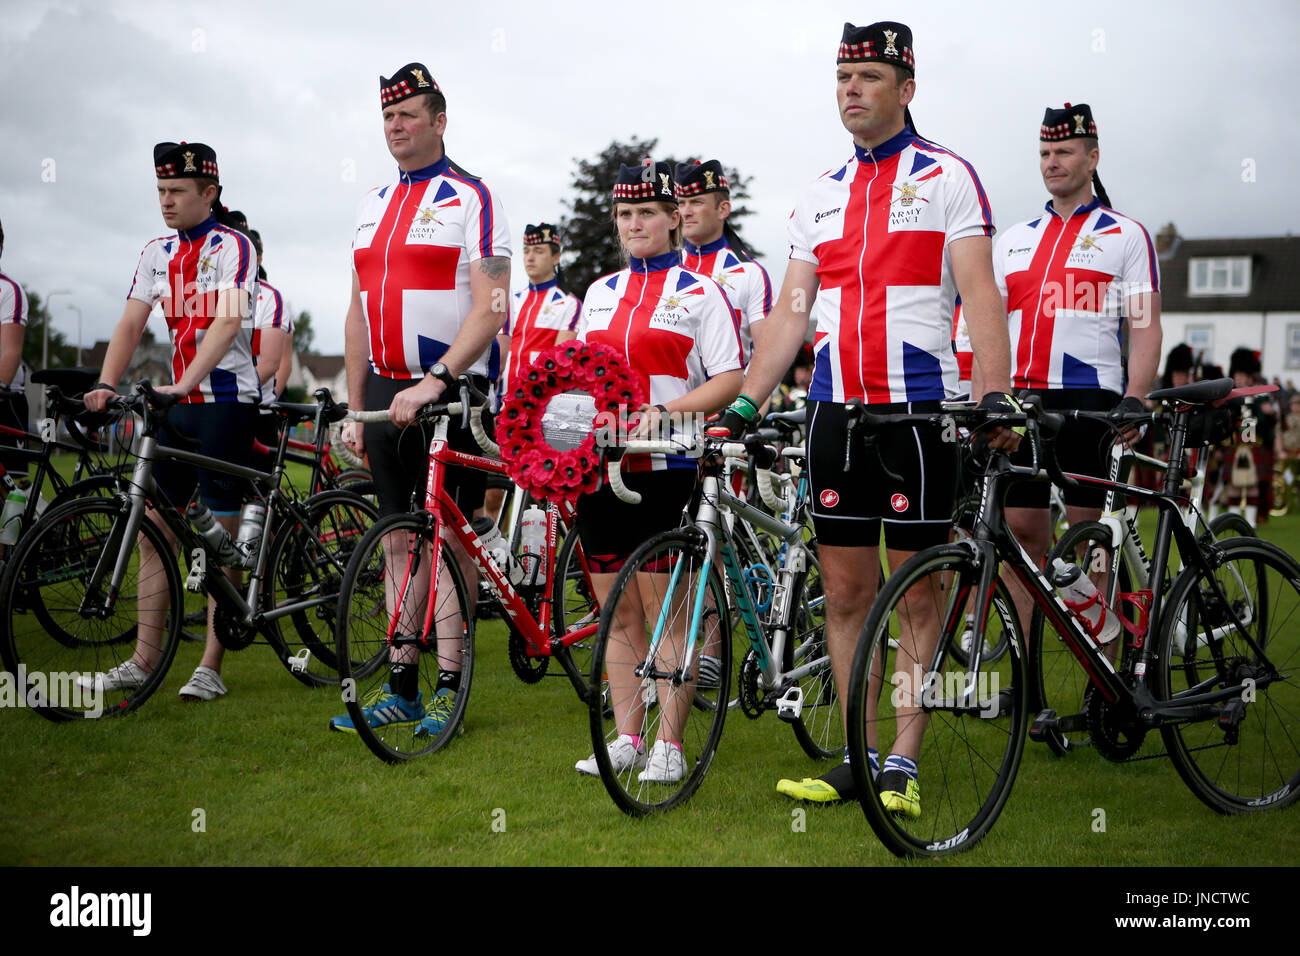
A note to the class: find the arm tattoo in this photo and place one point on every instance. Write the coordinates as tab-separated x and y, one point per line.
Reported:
494	267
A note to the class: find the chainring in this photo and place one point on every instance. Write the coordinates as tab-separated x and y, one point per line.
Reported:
528	669
1116	735
233	634
749	698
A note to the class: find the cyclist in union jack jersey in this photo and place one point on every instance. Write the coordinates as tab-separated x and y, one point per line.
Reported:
13	322
1073	277
880	247
204	278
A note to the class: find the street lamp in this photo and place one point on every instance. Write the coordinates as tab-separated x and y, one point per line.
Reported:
45	338
77	309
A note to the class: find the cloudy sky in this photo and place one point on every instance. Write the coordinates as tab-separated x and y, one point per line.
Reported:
1194	103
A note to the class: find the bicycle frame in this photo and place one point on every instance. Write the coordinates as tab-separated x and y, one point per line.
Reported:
449	519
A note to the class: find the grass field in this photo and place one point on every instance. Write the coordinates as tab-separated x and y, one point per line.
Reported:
256	778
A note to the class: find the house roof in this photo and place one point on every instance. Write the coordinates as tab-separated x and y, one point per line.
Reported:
1274	280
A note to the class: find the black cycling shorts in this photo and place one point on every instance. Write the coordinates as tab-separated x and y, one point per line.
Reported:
223	430
1082	448
611	529
849	505
399	457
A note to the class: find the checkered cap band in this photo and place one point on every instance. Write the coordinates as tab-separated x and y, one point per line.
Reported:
1065	131
210	169
165	170
398	91
697	187
634	191
535	238
854	52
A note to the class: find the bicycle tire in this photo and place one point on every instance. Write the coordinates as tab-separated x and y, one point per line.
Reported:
362	633
1281	493
1245	757
307	563
671	564
43	629
968	755
1059	682
819	729
1231	524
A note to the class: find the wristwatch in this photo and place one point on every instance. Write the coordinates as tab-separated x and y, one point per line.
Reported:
440	371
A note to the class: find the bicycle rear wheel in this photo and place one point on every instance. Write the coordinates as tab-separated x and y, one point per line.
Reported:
382	595
909	695
1244	755
62	633
819	728
307	563
667	604
574	600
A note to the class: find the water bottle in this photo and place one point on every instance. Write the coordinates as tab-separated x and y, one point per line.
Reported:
11	519
532	542
217	537
1080	596
249	540
494	542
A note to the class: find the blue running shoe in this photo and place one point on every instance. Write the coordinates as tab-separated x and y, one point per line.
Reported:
440	708
387	708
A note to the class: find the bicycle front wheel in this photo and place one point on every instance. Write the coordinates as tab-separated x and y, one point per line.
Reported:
666	611
383	608
307	564
1236	628
573	600
62	625
910	696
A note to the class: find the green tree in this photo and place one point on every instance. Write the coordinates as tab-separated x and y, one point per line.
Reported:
591	246
303	334
62	353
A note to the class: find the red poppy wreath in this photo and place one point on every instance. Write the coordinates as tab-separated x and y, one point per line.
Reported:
547	472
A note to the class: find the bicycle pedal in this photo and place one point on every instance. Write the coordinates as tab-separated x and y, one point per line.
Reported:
194	580
790	705
1045	722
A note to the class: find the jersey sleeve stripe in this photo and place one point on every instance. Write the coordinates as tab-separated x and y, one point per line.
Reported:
979	187
767	291
18	318
485	213
1151	251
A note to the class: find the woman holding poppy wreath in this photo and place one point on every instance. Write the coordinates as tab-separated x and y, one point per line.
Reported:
681	340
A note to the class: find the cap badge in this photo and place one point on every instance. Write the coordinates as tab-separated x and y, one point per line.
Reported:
1078	123
890	49
189	162
419	77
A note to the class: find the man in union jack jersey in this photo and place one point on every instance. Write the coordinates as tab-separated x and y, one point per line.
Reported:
430	292
880	246
13	322
545	312
204	278
1074	278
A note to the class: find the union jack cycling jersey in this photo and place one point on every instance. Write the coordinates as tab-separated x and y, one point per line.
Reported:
744	282
272	313
13	311
878	230
184	275
1066	282
676	328
538	315
412	249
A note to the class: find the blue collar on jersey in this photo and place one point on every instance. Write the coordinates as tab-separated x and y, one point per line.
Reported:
1096	201
543	286
408	176
198	232
707	248
890	147
655	263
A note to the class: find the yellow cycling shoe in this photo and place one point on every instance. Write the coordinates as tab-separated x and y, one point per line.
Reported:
900	794
833	787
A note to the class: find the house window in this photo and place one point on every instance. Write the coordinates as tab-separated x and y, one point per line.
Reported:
1225	276
1293	346
1201	340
